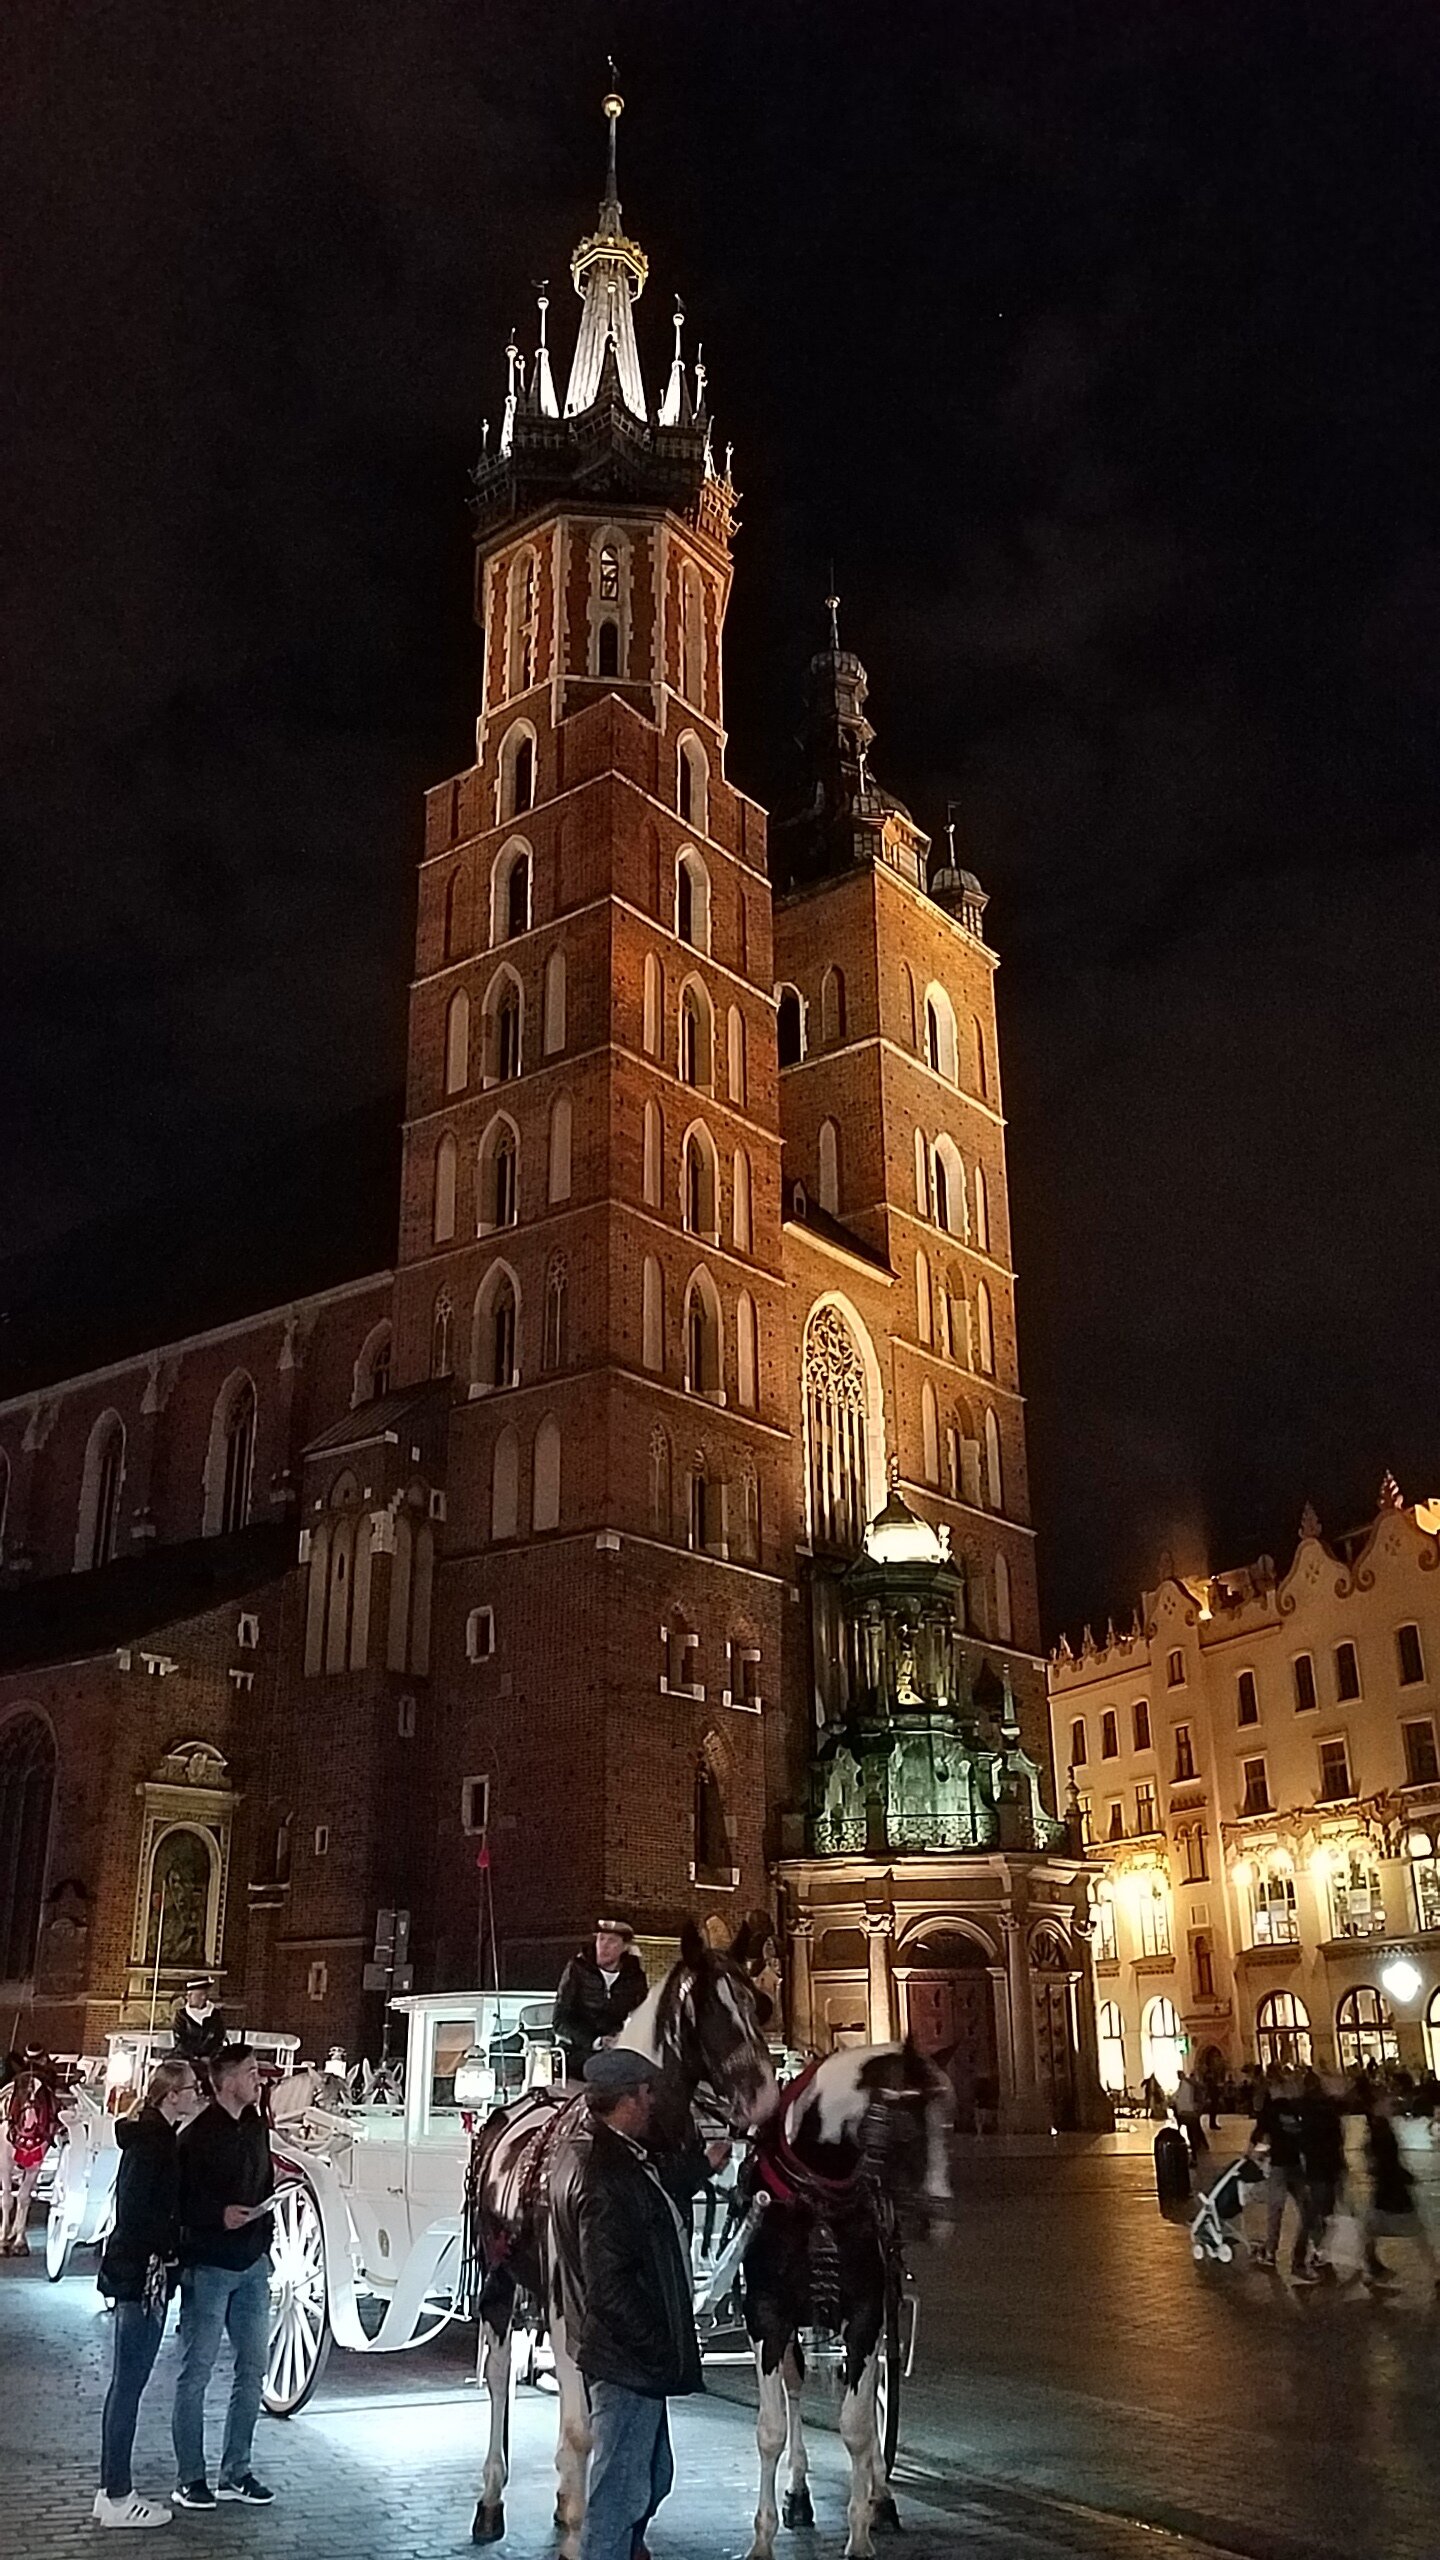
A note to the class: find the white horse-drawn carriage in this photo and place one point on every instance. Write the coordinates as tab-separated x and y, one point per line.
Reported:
370	2206
80	2186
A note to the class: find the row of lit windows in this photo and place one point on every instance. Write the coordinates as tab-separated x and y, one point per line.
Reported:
799	1033
1364	2030
512	898
227	1483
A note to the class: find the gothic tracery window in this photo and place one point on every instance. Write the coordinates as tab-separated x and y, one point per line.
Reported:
836	1418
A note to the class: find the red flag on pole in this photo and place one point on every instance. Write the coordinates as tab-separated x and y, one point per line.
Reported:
483	1859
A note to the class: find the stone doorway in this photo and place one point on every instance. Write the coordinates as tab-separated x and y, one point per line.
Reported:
950	2013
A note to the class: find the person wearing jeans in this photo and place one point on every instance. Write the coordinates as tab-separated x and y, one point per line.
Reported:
226	2177
137	2271
623	2265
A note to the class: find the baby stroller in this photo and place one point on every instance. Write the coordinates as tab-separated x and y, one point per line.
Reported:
1215	2231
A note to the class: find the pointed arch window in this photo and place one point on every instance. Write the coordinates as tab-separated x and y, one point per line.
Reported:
699	1184
607	647
982	1070
692	635
555	1349
837	1419
923	1318
697	1032
560	1149
714	1858
790	1027
746	1352
930	1434
654	1014
735	1055
545	1488
498	1178
742	1203
101	1480
652	1175
947	1176
940	1043
496	1361
372	1369
980	1194
554	1014
984	1331
503	1027
522	623
704	1351
832	1006
608	579
994	1478
27	1799
692	901
660	1515
442	1220
236	1456
442	1325
922	1173
827	1188
652	1316
457	1042
692	785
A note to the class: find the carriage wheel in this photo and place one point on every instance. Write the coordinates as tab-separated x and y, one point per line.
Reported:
299	2310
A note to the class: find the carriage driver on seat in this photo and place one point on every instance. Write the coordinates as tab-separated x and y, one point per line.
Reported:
598	1991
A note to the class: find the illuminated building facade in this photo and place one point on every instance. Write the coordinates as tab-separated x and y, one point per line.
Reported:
1256	1765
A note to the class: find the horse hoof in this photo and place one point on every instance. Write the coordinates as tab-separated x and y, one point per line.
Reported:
489	2524
885	2516
796	2509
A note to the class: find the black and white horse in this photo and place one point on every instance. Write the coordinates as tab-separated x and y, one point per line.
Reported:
704	2027
857	2134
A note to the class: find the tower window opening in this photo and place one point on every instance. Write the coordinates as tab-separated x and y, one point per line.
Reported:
609	584
695	1036
790	1027
607	648
692	902
692	785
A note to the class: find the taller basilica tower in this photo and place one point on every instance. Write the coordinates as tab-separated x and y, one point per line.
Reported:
704	1237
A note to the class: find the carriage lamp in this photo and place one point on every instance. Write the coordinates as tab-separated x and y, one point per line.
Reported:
474	2079
119	2071
1400	1978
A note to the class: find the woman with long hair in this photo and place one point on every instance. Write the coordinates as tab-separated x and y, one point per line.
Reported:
139	2269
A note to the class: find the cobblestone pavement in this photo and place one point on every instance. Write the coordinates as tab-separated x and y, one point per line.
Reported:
1082	2392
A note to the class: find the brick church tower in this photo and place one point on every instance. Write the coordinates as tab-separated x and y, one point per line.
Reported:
590	1224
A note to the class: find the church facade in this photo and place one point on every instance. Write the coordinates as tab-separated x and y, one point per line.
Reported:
513	1582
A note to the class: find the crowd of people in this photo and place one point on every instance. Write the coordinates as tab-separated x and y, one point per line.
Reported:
1298	2142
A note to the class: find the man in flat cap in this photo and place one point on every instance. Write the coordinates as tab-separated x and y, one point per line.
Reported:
598	1992
622	2257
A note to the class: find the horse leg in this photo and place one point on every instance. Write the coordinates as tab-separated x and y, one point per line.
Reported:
797	2509
572	2451
859	2435
770	2431
489	2519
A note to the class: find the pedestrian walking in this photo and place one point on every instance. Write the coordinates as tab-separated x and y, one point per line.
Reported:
1322	2160
623	2266
139	2268
1186	2103
598	1991
31	2122
226	2179
1277	2134
1393	2211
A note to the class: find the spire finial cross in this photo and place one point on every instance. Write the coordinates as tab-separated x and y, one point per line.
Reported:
832	607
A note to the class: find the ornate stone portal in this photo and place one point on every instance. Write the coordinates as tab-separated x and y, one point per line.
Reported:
181	1879
939	1897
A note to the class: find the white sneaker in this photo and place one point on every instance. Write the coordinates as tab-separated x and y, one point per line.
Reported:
132	2513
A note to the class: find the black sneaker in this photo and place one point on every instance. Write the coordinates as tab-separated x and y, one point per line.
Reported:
197	2494
250	2491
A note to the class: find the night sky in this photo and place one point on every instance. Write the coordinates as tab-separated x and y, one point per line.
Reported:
1098	348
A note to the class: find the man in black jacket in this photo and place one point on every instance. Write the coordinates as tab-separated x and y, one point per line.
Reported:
226	2177
622	2260
597	1993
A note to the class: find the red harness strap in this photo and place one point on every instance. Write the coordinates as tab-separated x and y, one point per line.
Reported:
791	2180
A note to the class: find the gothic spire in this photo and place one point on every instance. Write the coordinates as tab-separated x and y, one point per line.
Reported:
675	407
609	273
541	380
